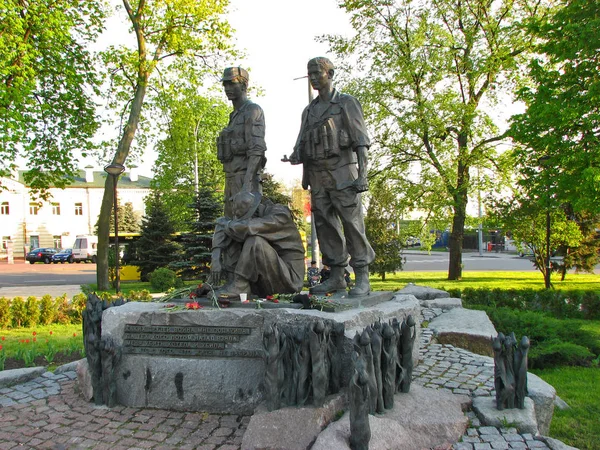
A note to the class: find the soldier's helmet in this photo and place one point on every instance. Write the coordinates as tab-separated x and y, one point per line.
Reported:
231	73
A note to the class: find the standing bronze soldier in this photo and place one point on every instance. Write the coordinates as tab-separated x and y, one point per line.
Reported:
241	145
332	145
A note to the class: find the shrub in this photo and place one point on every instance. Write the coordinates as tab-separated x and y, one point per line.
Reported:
77	306
32	312
561	304
62	307
48	310
163	279
5	315
18	311
140	296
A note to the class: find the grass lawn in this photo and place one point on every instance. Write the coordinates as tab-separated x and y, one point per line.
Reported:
491	280
578	426
60	338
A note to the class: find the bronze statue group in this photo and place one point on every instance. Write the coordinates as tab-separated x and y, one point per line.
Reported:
257	250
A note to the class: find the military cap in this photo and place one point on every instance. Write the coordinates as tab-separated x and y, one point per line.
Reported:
233	72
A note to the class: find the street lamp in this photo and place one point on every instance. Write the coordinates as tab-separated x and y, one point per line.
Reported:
543	162
115	170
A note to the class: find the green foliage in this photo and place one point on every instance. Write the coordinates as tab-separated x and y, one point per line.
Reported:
18	311
139	296
156	247
48	78
428	70
129	220
32	312
78	304
188	150
554	342
380	230
196	258
5	314
48	310
563	105
574	304
163	279
63	310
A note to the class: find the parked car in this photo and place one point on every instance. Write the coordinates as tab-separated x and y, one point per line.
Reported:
85	248
41	255
65	255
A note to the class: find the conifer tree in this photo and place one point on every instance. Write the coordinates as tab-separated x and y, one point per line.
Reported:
156	247
198	243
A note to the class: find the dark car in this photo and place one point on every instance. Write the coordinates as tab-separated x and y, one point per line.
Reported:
63	256
41	255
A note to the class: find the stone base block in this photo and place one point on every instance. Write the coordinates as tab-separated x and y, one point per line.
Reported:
422	418
465	328
522	419
291	428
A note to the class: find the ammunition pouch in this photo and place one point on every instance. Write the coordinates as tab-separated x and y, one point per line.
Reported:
323	141
224	152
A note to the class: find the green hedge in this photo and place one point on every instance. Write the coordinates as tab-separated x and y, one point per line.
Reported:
17	313
554	342
560	304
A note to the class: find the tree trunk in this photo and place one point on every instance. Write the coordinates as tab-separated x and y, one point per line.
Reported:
456	240
460	196
107	199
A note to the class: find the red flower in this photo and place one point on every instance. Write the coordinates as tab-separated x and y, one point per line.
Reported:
275	300
2	337
269	297
193	305
193	295
74	334
34	333
200	286
34	339
0	347
27	341
50	332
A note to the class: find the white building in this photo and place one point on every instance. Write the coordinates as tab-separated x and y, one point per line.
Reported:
70	211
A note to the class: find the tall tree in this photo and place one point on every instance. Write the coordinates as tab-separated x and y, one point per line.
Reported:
380	224
428	69
527	221
156	247
197	245
47	80
183	36
187	156
562	119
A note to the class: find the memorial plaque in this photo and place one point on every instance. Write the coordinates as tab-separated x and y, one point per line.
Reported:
196	341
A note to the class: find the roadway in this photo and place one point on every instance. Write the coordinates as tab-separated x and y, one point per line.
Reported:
25	274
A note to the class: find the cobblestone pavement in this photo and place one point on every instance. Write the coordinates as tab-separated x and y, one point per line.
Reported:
47	412
58	418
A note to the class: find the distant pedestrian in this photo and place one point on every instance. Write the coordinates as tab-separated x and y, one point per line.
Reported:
313	274
325	273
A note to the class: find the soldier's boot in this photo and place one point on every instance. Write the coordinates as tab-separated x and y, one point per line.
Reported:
239	286
362	286
228	283
335	282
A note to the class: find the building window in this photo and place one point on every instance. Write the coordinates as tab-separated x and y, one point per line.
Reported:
34	241
34	209
57	241
79	209
5	240
56	209
4	209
